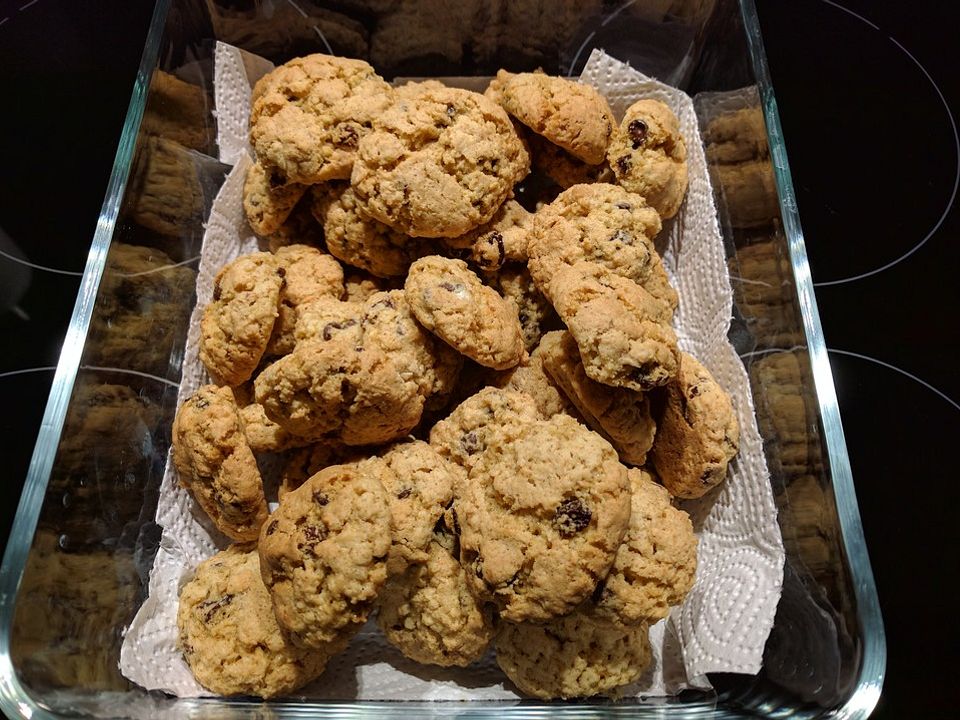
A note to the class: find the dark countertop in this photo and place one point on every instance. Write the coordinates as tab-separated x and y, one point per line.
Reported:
868	96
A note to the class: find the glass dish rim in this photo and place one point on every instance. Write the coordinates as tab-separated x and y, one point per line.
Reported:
14	700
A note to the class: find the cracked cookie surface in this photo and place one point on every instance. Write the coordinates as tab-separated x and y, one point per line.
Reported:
541	519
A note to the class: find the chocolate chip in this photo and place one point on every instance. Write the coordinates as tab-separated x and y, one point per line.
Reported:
638	133
496	237
320	499
347	136
404	494
272	527
694	390
624	206
216	291
571	517
470	443
598	591
624	164
622	236
328	329
210	607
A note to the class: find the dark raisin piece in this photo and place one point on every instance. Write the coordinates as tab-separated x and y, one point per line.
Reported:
622	236
638	133
571	517
496	237
320	499
217	291
328	329
385	302
272	527
210	607
624	164
448	286
470	443
404	494
348	136
694	390
624	206
598	591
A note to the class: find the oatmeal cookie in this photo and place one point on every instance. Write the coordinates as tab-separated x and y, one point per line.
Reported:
300	228
237	324
617	326
567	113
230	637
501	240
215	463
359	240
309	115
449	300
572	656
419	484
323	554
305	462
697	434
541	519
307	274
562	167
429	614
530	377
438	165
649	157
359	285
607	225
656	563
491	416
268	205
514	282
620	415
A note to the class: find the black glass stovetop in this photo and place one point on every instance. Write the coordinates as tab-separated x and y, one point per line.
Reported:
869	99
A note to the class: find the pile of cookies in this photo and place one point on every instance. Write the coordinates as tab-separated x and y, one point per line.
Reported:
481	407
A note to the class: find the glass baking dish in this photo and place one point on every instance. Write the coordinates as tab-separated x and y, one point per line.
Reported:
76	565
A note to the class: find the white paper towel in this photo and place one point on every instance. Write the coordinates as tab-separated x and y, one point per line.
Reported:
725	620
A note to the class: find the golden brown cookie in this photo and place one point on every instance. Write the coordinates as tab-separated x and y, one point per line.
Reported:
697	433
267	205
309	115
230	637
501	240
215	463
534	311
620	415
541	519
572	656
567	113
649	157
429	614
238	323
438	165
655	565
323	554
450	301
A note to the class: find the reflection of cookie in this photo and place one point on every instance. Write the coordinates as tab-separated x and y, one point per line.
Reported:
491	416
620	415
618	326
429	614
361	241
572	656
451	302
541	519
736	137
267	206
649	157
419	484
215	463
697	434
606	225
655	565
229	636
237	324
323	554
178	111
307	275
438	165
309	114
569	114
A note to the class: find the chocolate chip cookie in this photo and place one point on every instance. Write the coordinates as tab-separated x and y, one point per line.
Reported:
501	240
267	205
